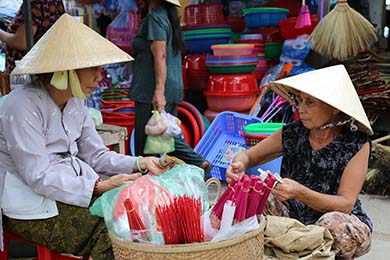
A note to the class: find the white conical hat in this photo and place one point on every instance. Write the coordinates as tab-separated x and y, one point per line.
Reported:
331	85
69	45
175	2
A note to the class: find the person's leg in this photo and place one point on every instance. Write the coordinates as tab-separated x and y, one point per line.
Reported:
74	231
182	150
142	114
352	237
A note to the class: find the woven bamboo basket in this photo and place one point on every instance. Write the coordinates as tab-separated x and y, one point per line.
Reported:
246	247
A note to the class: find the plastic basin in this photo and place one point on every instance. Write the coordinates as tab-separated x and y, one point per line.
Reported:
237	103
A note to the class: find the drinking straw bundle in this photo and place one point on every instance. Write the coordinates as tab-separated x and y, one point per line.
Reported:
180	220
342	33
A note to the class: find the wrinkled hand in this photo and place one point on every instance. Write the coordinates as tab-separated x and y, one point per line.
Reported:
116	181
159	101
153	165
235	171
289	189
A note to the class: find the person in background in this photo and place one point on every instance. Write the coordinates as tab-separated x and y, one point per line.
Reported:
157	73
50	151
44	14
325	158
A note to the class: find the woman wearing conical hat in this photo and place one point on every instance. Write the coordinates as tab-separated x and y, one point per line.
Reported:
50	152
325	158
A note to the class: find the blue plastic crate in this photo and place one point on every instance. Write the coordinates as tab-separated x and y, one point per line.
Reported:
223	141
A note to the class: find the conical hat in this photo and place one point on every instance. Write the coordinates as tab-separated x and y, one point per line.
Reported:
68	45
175	2
332	86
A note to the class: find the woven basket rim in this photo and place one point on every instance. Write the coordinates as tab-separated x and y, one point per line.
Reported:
186	248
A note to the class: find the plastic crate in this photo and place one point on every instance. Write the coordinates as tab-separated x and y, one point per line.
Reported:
223	140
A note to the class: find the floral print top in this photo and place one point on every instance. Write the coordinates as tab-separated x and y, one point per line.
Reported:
44	14
319	170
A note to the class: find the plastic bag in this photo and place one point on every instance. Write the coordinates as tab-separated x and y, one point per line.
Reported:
173	123
124	27
185	179
156	125
145	195
214	235
159	144
156	143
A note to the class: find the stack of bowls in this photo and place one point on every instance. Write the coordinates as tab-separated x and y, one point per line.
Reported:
196	71
231	64
199	39
205	26
233	92
258	41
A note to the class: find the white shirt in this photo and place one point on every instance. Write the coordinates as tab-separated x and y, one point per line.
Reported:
47	155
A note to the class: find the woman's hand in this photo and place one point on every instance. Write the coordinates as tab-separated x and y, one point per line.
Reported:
116	181
153	165
235	171
159	101
289	189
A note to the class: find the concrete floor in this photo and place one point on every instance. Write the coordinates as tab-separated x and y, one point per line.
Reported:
378	208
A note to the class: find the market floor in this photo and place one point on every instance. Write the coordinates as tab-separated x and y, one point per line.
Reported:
378	209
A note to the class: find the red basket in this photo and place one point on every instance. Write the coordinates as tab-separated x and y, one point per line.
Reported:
203	14
253	139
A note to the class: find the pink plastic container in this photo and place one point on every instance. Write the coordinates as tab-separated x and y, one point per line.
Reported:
232	49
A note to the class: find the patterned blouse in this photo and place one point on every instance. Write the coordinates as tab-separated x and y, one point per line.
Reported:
319	170
44	14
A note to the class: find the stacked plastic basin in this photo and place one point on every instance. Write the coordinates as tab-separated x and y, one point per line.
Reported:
266	17
258	41
205	26
256	132
196	71
232	86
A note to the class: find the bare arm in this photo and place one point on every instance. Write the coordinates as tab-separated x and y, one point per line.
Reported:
158	49
350	186
16	40
266	150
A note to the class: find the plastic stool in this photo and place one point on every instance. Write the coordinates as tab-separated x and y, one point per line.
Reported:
43	252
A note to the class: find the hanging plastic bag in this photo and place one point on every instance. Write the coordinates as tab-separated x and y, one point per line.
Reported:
124	27
156	143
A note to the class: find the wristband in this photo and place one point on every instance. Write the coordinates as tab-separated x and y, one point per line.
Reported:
145	171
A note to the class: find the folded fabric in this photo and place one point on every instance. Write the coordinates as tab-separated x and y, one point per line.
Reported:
287	238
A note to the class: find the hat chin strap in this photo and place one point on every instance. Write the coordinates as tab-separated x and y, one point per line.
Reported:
353	127
75	85
60	81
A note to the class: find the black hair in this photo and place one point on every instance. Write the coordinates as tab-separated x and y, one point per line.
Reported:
177	37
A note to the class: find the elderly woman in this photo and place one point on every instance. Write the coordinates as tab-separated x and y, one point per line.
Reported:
50	152
325	158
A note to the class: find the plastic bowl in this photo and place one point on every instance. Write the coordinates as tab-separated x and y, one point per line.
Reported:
235	59
232	69
258	128
263	16
272	50
237	103
204	45
288	30
233	83
232	49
